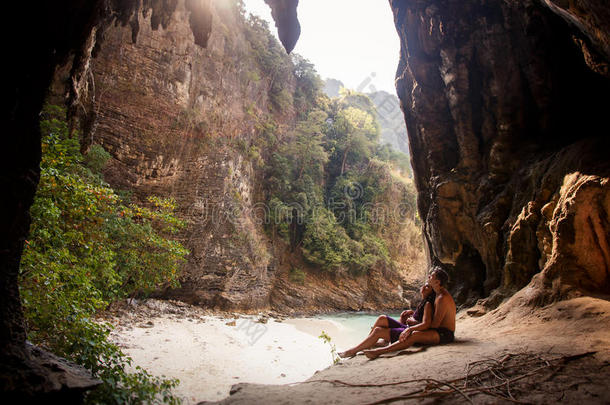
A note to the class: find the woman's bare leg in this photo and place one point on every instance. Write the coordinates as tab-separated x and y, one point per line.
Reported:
377	333
429	337
381	343
381	321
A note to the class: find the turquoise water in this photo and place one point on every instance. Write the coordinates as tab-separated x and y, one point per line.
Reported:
349	328
359	323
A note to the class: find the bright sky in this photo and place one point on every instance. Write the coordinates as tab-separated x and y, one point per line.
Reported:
350	40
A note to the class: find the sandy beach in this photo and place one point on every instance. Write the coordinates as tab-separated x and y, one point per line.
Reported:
210	353
216	355
524	339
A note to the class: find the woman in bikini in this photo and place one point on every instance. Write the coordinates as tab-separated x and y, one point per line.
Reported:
389	329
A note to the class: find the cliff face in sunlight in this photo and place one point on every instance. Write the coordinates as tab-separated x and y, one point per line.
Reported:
506	109
505	103
181	121
172	115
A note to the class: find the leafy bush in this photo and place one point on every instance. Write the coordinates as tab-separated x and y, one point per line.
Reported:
297	275
325	242
145	258
96	158
86	248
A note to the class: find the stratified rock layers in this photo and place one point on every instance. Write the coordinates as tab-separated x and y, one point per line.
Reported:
507	125
179	121
42	38
170	113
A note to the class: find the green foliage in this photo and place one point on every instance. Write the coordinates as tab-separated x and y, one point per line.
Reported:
395	158
272	61
297	275
326	243
96	158
322	168
306	151
145	258
320	186
281	98
86	248
333	350
309	85
355	133
86	343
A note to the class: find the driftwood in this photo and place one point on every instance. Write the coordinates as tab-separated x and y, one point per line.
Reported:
493	377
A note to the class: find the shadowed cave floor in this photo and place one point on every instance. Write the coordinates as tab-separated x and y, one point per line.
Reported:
525	352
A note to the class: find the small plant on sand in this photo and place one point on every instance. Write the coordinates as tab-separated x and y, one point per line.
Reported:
333	350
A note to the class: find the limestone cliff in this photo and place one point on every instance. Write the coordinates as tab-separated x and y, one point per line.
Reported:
41	38
504	103
505	108
181	121
171	114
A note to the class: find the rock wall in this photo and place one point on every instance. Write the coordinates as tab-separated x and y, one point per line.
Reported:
42	38
504	104
179	121
171	114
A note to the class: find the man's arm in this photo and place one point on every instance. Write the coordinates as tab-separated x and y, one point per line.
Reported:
440	310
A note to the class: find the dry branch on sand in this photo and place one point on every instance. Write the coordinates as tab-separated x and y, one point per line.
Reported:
494	377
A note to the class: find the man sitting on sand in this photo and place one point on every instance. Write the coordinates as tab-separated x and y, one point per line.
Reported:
441	328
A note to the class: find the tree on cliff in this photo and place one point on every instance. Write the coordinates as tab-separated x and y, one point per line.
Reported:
315	179
355	132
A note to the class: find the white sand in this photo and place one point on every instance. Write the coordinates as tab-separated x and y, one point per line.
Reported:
209	356
565	328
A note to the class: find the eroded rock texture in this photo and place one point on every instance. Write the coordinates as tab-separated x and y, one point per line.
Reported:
170	112
284	13
37	39
507	119
180	121
43	377
591	18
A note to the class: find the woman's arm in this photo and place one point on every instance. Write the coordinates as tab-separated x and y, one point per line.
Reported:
423	325
406	315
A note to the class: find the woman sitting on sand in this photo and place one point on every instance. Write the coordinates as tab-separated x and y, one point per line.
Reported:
389	329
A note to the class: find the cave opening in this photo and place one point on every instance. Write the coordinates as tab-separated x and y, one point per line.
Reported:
23	153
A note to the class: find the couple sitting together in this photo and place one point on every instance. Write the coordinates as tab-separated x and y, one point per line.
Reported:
433	322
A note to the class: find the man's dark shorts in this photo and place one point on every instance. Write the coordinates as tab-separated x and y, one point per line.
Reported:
445	335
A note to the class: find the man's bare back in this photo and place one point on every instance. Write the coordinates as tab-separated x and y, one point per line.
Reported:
443	322
444	315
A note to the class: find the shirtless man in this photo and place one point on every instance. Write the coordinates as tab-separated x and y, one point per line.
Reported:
441	328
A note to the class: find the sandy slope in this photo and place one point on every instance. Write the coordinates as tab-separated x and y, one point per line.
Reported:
565	328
